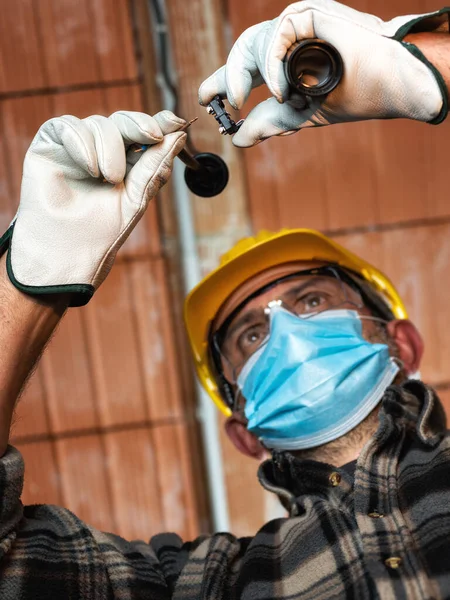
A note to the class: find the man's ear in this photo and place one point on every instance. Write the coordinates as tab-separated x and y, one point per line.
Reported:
242	439
409	343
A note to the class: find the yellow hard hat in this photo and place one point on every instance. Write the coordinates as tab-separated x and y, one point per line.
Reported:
253	255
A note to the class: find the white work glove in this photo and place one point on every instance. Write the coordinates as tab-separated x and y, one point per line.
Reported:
83	192
383	76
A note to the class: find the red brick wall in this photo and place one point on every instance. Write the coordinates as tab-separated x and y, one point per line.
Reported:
106	423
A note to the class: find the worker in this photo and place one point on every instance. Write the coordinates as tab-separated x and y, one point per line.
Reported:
305	346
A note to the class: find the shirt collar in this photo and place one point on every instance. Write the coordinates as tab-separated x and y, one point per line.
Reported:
412	406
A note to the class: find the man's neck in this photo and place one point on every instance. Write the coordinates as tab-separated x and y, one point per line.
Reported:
346	448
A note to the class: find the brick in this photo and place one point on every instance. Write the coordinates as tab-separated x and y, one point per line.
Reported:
350	176
22	118
400	164
158	356
435	175
124	97
134	486
300	181
80	103
82	463
42	484
68	39
31	415
177	480
7	204
417	261
113	35
176	292
22	65
67	376
111	326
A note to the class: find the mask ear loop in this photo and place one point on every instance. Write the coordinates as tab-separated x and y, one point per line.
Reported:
372	318
395	359
398	361
240	410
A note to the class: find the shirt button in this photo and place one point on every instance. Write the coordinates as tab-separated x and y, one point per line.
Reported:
376	515
335	479
393	562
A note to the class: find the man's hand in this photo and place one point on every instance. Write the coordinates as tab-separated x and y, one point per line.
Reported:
83	191
383	76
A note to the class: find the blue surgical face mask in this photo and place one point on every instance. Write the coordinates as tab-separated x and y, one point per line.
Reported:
313	380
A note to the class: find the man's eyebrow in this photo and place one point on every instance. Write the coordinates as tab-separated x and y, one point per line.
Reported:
249	316
299	288
313	281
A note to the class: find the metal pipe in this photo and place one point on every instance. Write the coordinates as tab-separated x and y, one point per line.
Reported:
206	412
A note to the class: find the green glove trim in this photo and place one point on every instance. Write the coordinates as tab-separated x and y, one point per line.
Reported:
440	81
80	293
406	28
410	27
5	240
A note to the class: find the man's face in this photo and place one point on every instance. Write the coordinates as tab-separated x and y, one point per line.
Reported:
301	292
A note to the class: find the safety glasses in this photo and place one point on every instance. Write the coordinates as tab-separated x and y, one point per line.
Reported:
304	294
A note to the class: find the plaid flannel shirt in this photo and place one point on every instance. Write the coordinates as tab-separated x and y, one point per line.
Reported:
385	534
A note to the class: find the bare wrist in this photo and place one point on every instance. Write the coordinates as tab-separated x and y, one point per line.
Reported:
436	48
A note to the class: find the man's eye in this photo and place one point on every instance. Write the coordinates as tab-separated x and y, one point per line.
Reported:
250	339
312	301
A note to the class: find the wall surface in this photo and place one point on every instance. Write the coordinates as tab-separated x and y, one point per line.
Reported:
105	425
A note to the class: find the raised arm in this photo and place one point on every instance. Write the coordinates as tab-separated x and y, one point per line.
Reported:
26	324
436	48
83	191
393	69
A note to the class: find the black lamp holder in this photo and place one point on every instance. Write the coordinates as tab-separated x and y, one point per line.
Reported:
314	69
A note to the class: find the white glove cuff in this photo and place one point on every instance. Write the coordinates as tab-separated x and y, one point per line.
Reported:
80	294
438	21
